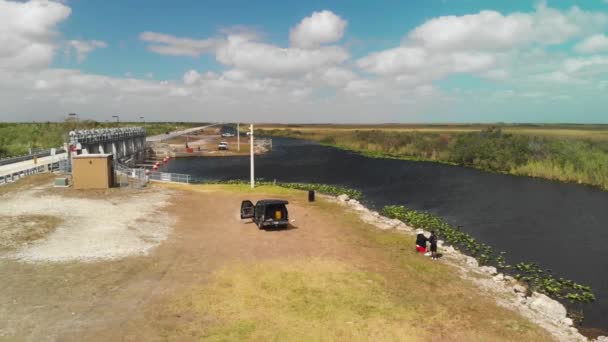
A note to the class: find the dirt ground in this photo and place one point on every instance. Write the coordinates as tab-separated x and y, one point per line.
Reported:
158	295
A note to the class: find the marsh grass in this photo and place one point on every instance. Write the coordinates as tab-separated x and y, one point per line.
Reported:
576	154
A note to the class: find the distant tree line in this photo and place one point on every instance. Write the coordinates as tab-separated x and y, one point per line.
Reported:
18	138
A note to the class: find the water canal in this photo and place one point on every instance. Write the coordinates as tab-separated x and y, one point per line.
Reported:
564	227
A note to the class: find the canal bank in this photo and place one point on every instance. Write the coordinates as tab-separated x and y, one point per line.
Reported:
530	219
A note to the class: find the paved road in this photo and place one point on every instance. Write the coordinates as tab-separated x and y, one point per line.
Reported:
161	137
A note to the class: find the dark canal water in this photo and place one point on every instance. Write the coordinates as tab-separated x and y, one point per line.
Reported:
564	227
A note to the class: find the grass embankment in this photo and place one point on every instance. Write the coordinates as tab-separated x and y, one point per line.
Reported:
331	190
531	273
358	284
569	154
18	138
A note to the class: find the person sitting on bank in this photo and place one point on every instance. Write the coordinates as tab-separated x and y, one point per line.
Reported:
421	242
433	241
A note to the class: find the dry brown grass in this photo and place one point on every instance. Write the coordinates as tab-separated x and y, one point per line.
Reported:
15	231
332	277
373	288
593	132
39	179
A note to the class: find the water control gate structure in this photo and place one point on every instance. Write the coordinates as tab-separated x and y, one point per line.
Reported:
127	144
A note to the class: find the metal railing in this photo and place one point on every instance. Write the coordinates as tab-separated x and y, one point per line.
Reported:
59	165
35	154
169	177
90	136
137	176
266	143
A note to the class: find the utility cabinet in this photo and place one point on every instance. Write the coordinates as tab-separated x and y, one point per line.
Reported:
92	171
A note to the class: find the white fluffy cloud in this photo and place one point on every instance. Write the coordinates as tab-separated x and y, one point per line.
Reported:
594	44
338	76
480	44
320	28
166	44
84	47
422	65
191	77
491	30
311	79
27	30
242	53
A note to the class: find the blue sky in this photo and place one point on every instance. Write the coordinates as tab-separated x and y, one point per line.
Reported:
309	61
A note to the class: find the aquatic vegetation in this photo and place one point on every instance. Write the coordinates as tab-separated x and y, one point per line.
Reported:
543	281
531	273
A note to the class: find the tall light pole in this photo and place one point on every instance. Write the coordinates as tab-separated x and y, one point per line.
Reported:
238	137
74	116
251	155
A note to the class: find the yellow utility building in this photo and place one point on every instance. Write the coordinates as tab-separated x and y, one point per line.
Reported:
92	171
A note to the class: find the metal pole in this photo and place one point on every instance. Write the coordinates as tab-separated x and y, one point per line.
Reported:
251	155
238	137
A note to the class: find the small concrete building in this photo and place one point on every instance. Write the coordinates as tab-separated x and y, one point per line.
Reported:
92	171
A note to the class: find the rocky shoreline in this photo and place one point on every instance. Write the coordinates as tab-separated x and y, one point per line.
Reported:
508	292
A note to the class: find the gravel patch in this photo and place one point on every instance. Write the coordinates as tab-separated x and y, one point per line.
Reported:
92	229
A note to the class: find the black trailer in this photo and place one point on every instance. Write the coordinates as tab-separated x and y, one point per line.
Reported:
266	213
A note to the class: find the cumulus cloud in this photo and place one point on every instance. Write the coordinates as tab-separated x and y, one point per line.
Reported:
320	28
491	30
311	79
84	47
27	31
418	61
338	76
594	44
482	44
244	50
244	54
191	77
166	44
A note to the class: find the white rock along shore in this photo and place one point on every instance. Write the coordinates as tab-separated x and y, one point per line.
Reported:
508	292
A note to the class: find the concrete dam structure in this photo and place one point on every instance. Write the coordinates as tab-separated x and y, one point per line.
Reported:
127	145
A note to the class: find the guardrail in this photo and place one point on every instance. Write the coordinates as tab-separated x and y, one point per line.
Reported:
59	164
36	154
170	135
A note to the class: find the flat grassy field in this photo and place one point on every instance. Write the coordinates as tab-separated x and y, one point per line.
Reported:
328	277
595	132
